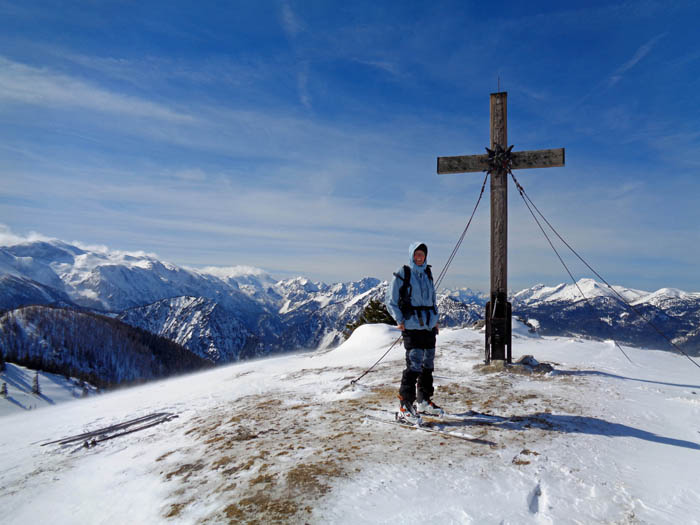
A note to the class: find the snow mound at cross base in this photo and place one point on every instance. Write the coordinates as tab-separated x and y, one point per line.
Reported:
364	347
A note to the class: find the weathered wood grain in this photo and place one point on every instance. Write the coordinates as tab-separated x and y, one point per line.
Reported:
498	328
462	164
543	158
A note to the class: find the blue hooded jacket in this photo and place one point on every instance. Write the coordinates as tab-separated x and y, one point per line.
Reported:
422	294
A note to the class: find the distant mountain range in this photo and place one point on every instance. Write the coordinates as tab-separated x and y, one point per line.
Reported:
227	314
561	310
220	314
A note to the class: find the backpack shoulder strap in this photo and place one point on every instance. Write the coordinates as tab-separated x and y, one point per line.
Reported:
405	293
406	277
429	272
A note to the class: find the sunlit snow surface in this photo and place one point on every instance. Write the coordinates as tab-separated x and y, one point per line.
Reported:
598	440
53	389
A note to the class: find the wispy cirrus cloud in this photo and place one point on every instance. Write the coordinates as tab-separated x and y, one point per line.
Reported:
641	52
149	71
23	84
614	78
391	68
293	26
291	23
303	86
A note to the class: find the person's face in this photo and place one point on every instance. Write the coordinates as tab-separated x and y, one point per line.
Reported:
419	257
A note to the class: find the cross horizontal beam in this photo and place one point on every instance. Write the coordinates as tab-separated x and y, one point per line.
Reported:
543	158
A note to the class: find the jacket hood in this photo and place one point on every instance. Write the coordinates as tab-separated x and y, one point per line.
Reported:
412	249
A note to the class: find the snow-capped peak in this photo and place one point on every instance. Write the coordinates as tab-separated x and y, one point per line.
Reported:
233	272
665	295
570	292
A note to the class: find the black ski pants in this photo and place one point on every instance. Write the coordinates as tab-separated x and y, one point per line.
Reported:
420	362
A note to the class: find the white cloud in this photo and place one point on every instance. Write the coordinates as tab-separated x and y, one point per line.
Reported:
303	86
24	84
9	238
225	272
636	58
391	68
616	76
291	23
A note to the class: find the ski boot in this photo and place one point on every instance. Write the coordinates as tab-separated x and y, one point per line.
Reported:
407	414
427	407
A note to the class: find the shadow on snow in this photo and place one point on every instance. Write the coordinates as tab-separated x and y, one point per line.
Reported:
616	376
566	424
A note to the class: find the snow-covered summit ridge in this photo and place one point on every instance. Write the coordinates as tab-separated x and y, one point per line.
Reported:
274	315
665	294
465	295
241	305
98	277
115	280
235	272
592	288
269	441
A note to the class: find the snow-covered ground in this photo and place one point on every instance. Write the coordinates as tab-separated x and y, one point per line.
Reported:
53	389
599	440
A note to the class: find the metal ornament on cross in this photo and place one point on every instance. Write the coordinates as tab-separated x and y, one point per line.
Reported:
499	161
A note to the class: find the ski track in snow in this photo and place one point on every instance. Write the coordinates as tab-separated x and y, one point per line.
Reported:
276	440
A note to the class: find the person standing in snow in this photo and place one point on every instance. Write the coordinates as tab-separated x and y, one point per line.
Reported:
411	301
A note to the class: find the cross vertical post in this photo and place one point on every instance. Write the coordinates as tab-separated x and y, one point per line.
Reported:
498	162
498	322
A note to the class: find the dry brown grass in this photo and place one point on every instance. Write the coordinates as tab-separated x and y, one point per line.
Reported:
175	509
268	461
312	478
185	471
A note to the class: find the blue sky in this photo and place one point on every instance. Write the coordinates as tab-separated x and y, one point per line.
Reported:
301	137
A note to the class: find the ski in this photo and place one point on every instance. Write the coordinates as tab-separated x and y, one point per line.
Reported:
474	416
103	434
432	427
469	416
95	441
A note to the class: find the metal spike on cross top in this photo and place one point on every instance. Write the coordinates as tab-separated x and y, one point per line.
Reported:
499	161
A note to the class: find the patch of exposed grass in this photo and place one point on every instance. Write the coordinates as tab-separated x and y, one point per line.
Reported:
269	460
312	478
261	508
185	471
263	478
161	458
268	404
222	462
176	509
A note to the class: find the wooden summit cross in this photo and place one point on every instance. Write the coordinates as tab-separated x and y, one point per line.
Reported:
498	309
